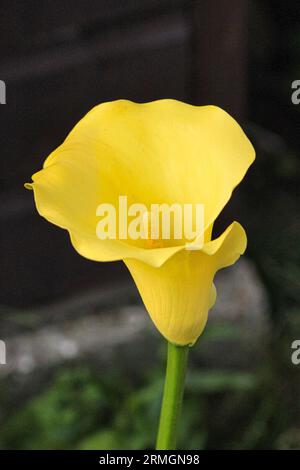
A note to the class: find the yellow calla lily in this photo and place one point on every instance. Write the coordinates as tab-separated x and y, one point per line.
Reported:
168	152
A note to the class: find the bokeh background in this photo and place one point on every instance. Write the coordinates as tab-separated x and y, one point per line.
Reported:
84	365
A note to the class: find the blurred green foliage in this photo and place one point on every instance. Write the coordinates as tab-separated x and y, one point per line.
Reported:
84	408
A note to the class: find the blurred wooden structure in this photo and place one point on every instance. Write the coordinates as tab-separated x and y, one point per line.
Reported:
59	59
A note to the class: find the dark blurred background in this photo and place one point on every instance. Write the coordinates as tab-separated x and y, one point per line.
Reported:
60	312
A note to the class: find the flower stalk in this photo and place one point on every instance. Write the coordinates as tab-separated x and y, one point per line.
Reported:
172	397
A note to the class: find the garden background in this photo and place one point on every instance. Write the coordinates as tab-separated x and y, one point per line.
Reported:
84	364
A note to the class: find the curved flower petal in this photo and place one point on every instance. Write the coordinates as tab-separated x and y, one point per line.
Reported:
179	294
67	195
159	152
212	296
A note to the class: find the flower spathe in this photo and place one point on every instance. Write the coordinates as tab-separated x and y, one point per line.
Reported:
168	152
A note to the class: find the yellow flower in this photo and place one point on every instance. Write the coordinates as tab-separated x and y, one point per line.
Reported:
160	152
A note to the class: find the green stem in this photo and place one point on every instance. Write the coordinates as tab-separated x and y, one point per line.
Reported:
172	397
